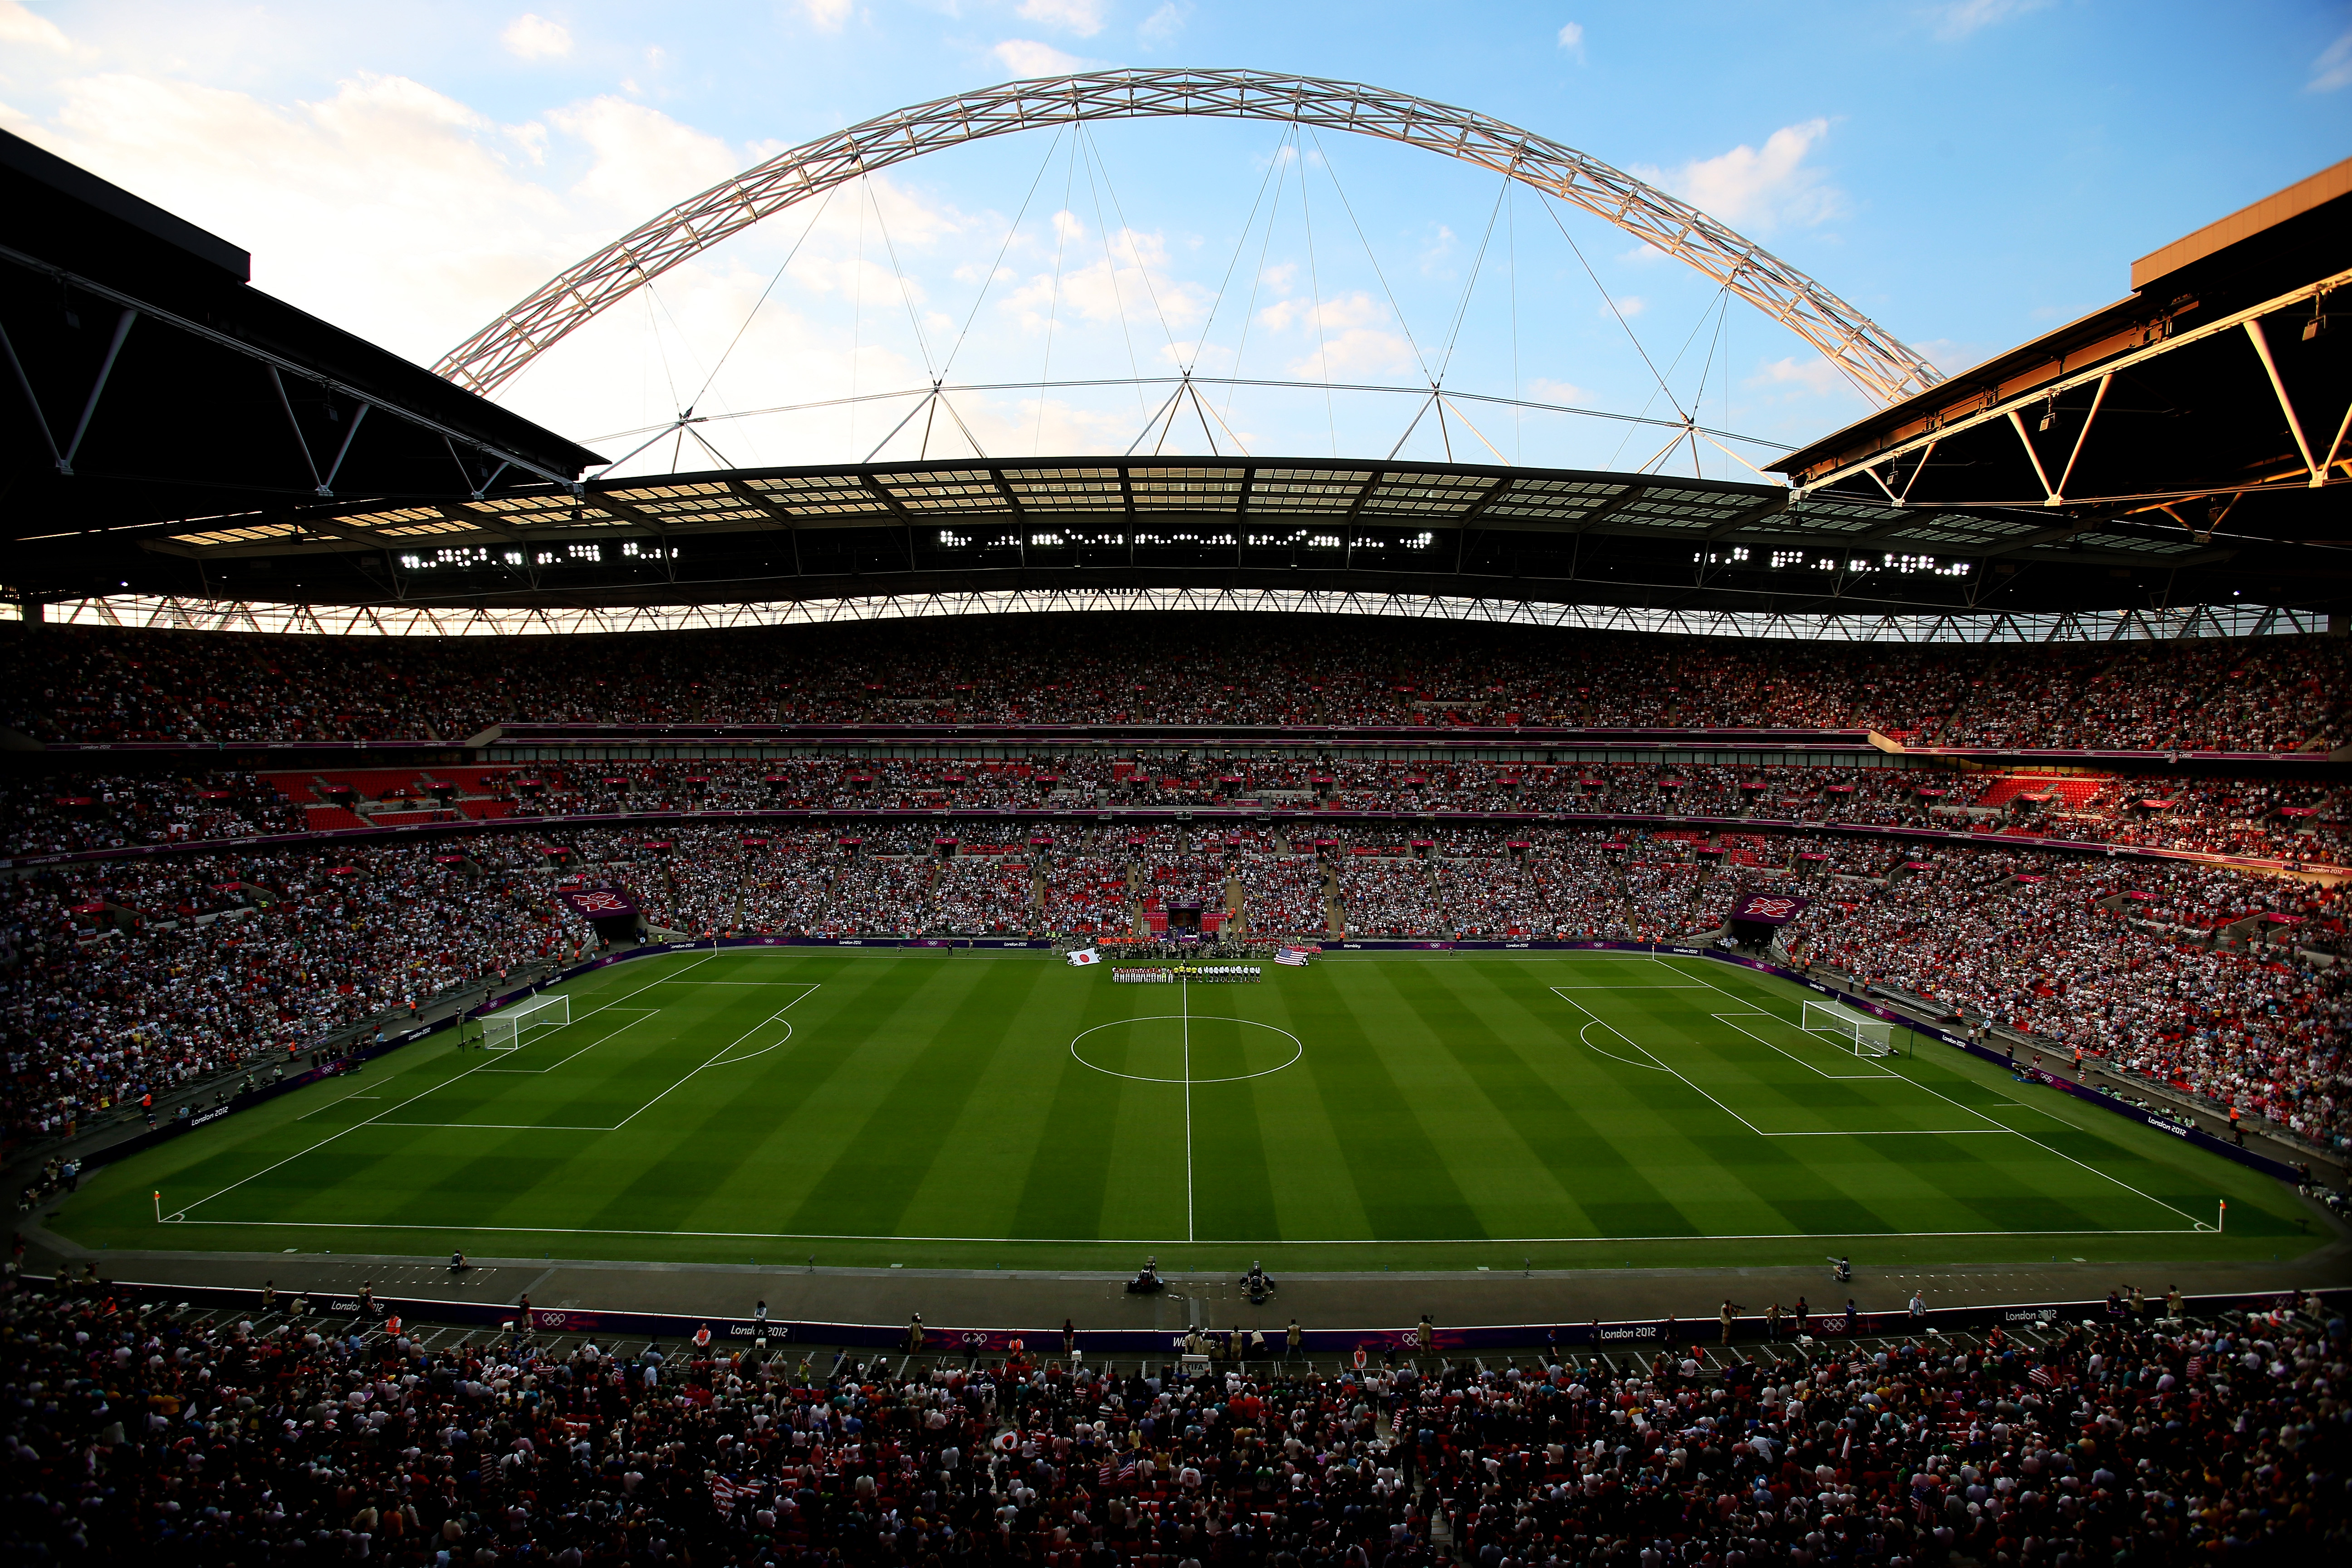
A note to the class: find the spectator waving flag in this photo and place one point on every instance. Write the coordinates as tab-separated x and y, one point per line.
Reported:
1080	957
724	1492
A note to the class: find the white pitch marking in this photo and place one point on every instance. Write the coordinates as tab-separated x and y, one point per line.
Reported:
1840	1077
1152	1241
410	1100
1653	1057
1298	1047
2014	1132
643	1013
774	1017
1185	1008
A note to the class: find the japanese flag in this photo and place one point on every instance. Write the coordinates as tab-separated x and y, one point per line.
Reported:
1081	957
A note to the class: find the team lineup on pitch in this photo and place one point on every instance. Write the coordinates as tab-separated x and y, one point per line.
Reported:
1584	1106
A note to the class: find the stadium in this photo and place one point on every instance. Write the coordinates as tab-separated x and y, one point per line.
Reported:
665	989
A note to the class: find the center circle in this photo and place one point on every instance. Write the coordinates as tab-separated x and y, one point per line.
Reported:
1158	1040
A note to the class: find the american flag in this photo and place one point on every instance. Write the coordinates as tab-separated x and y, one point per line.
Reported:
1108	1474
1127	1471
1295	957
724	1490
2197	1366
2044	1376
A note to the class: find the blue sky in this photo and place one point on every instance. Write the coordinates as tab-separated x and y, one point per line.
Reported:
1968	172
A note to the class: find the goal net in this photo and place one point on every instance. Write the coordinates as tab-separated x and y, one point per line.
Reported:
509	1027
1849	1030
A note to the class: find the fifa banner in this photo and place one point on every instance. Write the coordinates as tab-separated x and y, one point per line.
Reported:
598	903
1195	974
1768	908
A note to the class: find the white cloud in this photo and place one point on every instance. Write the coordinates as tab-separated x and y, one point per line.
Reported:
1163	25
1571	38
1757	189
1951	356
1628	306
1345	336
531	37
1084	17
294	183
1957	19
1544	389
644	161
2333	68
826	16
18	25
1126	277
1815	377
1027	58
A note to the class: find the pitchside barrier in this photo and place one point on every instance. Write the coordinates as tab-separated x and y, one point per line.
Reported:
2193	1136
1043	1344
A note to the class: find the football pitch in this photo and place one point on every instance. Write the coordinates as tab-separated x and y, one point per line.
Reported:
981	1109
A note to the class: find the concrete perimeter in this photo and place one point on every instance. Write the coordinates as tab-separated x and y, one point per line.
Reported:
1042	1299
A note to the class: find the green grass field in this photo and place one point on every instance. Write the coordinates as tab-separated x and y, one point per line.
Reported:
975	1109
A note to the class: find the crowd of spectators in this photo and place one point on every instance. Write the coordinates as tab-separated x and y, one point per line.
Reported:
93	684
985	895
2302	823
1087	895
2116	959
122	979
1283	895
112	811
2123	1439
1392	897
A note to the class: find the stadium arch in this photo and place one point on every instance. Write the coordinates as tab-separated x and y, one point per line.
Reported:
1867	354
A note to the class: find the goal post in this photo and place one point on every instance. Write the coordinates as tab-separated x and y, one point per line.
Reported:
1847	1029
511	1027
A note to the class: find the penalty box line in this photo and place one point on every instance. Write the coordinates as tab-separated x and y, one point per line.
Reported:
1733	1019
181	1215
716	1060
1761	1132
2013	1131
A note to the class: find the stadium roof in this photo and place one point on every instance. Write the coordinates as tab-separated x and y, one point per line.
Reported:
151	381
185	439
1324	525
2213	406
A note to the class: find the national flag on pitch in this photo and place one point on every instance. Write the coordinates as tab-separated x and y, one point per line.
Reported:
1295	957
1080	957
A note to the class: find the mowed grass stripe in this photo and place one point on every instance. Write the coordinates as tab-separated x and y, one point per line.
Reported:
1406	1186
1109	1157
1520	1064
1232	1179
1307	1173
922	1095
551	1176
1708	1160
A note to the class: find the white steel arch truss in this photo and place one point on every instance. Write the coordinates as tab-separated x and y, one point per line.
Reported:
2190	622
1873	359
